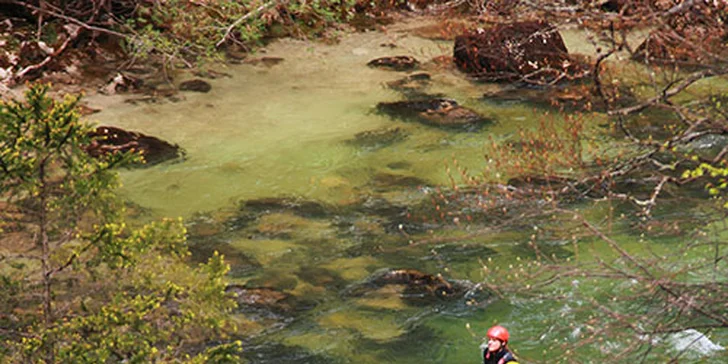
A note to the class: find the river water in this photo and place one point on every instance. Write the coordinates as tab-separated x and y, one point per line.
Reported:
325	211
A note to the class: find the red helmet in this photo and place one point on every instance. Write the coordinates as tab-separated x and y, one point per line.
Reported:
498	332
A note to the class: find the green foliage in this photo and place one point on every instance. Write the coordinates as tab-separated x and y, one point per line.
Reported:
78	284
41	152
152	317
194	30
717	177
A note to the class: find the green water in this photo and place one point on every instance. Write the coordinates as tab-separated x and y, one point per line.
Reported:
286	131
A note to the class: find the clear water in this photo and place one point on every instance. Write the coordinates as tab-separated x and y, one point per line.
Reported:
282	131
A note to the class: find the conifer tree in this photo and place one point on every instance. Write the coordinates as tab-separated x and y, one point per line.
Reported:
78	284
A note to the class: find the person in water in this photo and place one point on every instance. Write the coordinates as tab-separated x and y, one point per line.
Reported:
497	352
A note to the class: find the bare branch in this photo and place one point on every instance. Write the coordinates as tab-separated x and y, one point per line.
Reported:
245	17
80	23
667	93
48	59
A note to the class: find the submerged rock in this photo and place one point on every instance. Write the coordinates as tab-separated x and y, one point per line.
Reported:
109	139
320	277
285	225
264	61
377	139
196	85
389	180
295	205
251	210
205	224
204	248
530	50
418	280
377	206
416	285
444	113
411	85
396	63
278	279
270	308
262	297
577	97
270	352
399	165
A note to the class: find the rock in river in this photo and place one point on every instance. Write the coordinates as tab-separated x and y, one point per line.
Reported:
109	139
416	285
412	85
379	138
444	113
195	85
396	63
260	297
530	50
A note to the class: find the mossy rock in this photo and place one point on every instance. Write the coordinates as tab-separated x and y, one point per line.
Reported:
384	180
267	252
395	63
240	263
370	326
413	85
195	85
352	269
379	138
438	112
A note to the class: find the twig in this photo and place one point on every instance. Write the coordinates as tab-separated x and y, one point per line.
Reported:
69	19
667	92
683	5
245	17
439	240
655	193
47	60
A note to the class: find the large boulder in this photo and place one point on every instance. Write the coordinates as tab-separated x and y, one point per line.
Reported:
530	51
109	139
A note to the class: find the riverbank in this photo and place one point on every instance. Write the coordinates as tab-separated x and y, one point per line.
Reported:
143	49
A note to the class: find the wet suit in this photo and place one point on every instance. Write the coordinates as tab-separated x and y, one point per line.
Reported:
501	356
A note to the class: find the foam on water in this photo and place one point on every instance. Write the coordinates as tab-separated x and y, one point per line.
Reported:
694	342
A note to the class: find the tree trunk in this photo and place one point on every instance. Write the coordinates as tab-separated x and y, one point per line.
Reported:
45	262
